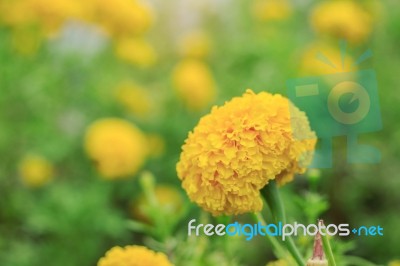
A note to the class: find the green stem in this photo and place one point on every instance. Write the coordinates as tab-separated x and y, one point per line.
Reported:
328	250
279	251
273	198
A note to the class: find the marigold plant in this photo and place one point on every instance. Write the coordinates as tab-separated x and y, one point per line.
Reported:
238	148
133	256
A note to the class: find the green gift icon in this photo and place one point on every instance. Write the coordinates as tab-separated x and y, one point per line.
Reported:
343	104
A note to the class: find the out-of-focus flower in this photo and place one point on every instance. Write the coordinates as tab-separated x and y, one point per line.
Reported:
156	145
52	14
133	256
194	84
124	20
26	40
195	45
321	59
342	19
16	13
35	171
238	148
394	263
47	15
134	99
314	174
271	10
135	51
117	147
123	17
169	202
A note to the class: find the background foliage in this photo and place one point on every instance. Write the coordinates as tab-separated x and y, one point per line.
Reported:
50	93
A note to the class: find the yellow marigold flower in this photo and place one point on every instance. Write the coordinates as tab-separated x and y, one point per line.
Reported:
312	64
133	256
236	149
194	84
134	99
271	10
117	147
169	202
196	45
135	51
35	171
342	19
123	17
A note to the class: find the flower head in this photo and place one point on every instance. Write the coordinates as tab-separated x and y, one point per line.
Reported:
194	84
35	171
272	10
134	99
236	149
394	263
117	147
135	51
123	17
342	19
133	256
310	64
196	45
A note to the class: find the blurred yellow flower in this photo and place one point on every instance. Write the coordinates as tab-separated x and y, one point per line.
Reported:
117	147
124	20
342	19
133	256
394	263
35	171
135	51
194	84
195	44
134	99
271	10
51	15
47	15
123	17
16	13
156	145
26	40
169	202
312	64
236	149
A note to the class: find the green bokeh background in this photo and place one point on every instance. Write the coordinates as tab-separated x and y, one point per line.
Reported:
48	99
